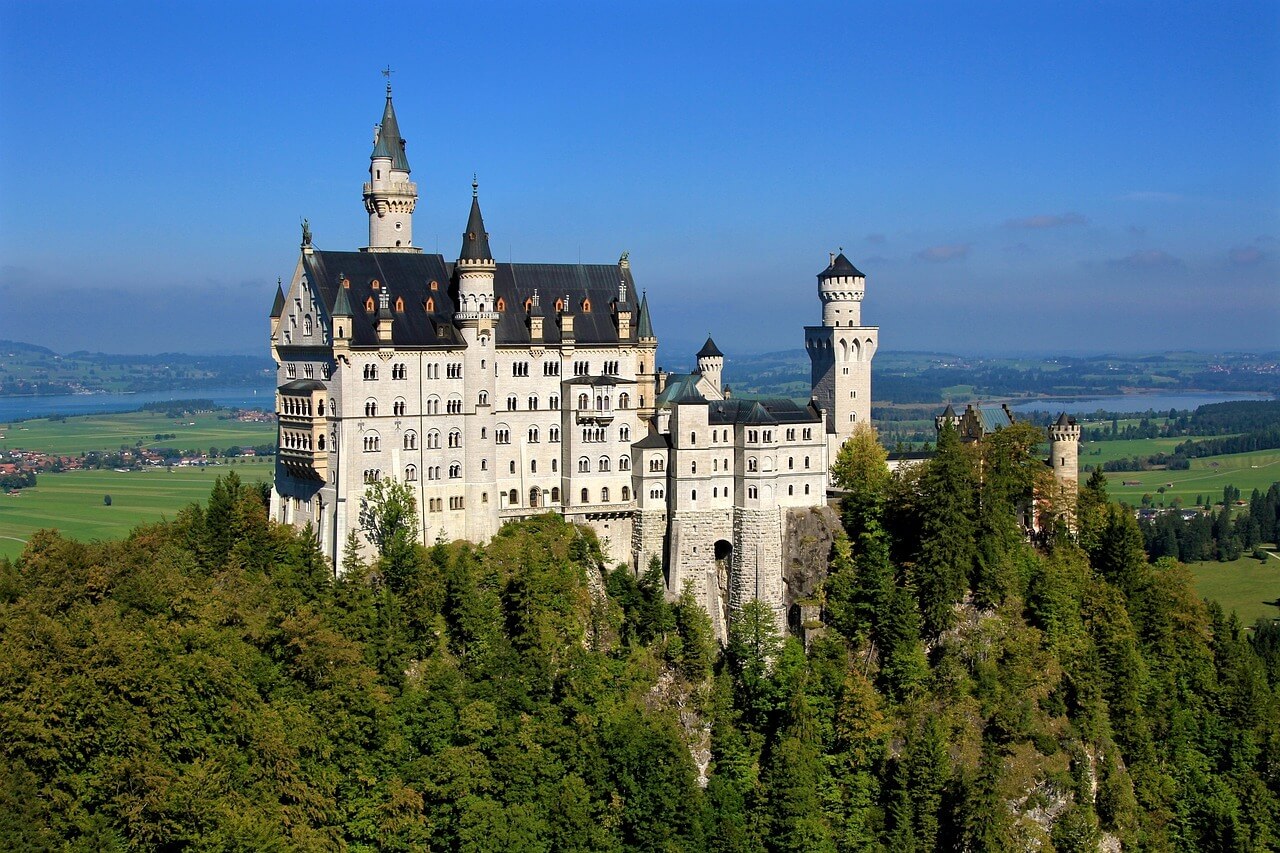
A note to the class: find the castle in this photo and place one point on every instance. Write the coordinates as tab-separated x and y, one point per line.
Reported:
499	391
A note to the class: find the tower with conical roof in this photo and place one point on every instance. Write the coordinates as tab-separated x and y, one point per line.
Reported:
389	195
840	351
1064	460
711	364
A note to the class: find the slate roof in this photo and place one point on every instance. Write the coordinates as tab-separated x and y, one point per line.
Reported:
771	410
654	439
644	324
681	388
409	275
595	381
277	307
390	143
1063	420
841	266
475	240
710	350
949	411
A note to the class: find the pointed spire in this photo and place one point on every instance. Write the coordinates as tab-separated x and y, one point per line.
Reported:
390	144
710	350
840	267
475	241
277	307
342	305
644	326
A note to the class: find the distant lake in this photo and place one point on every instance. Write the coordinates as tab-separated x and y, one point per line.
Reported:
252	397
1131	402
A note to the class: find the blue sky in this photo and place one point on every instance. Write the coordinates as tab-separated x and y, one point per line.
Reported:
1013	177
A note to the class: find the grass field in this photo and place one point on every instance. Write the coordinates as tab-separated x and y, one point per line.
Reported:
1245	586
72	501
82	433
1097	452
1245	471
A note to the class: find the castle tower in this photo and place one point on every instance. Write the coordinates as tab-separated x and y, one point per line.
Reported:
1064	460
476	317
647	385
948	416
840	351
711	363
389	195
277	310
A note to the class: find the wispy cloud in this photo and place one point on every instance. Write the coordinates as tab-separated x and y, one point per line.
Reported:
1048	220
876	239
942	254
1147	259
1245	256
1151	195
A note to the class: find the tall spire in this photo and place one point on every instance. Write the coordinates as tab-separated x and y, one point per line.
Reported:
475	241
277	307
390	144
644	326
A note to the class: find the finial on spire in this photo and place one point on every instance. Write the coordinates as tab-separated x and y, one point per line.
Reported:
475	186
387	72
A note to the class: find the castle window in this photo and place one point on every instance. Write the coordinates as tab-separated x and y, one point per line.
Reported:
586	496
752	464
291	371
534	495
528	304
555	494
559	305
410	474
806	488
806	463
502	435
791	462
553	402
410	440
513	498
320	443
502	304
320	407
791	435
371	442
370	371
399	302
430	304
624	433
306	325
808	434
604	463
604	495
483	399
657	464
791	490
455	438
551	368
693	438
626	493
435	285
433	440
533	466
693	494
375	284
533	404
453	370
624	463
586	306
455	471
553	434
370	408
457	503
512	466
693	467
533	435
454	406
511	402
398	407
368	305
399	370
584	465
433	405
753	492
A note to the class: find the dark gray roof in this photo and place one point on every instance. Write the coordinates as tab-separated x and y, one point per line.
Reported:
475	240
599	380
277	307
301	386
644	324
710	350
840	267
949	411
390	143
654	439
770	410
342	305
1063	420
408	275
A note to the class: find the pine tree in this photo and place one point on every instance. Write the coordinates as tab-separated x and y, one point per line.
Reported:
948	553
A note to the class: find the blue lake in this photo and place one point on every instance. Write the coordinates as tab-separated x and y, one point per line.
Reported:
1131	402
87	404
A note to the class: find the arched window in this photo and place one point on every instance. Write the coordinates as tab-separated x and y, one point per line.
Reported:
693	467
534	494
433	439
752	492
806	488
555	494
554	402
430	304
626	493
320	407
513	498
455	438
624	433
624	400
306	325
433	405
371	442
604	463
791	490
375	284
502	306
791	462
604	495
371	371
483	399
511	402
533	466
586	496
410	440
586	306
455	470
584	401
693	494
624	463
533	404
410	474
693	438
584	465
751	464
398	407
370	408
320	442
368	304
533	435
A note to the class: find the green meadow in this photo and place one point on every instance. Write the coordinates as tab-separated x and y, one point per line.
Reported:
1207	476
81	433
73	502
1247	586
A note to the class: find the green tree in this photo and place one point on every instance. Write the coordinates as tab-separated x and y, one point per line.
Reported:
948	552
861	469
389	519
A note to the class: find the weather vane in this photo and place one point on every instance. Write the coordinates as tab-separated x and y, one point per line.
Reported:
387	72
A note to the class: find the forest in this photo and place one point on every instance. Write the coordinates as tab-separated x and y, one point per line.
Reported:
207	684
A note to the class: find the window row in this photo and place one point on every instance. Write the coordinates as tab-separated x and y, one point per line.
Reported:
301	407
603	464
531	402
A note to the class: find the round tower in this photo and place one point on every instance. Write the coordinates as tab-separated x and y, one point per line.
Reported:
1064	460
711	363
840	351
389	195
841	287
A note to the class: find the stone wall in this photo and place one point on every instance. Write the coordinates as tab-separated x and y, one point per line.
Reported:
807	537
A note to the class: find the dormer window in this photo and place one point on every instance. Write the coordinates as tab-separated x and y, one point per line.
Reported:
435	285
430	304
368	304
586	306
528	305
375	284
399	305
502	304
559	305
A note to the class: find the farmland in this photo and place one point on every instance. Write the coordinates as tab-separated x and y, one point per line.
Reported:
1207	476
1247	586
75	435
73	502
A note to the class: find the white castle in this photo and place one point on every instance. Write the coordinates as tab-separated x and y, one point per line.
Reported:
501	391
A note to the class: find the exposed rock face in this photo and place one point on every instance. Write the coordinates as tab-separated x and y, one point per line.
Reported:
807	537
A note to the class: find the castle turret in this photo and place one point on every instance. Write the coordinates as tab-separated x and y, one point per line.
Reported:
343	318
277	309
647	383
1064	460
948	416
841	350
389	195
711	363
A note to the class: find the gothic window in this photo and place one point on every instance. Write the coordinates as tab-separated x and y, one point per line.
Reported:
584	401
791	435
399	300
410	440
291	371
455	438
586	306
306	325
368	305
455	470
410	474
370	408
806	463
324	368
433	439
430	304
